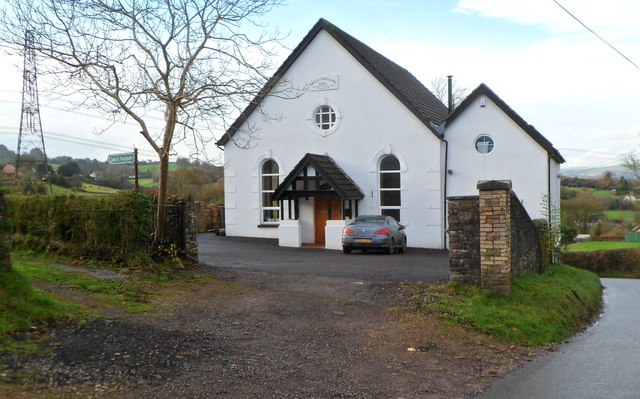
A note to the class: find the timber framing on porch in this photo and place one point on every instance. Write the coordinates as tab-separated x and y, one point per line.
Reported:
318	176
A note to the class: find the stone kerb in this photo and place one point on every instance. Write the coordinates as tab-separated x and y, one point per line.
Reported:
495	235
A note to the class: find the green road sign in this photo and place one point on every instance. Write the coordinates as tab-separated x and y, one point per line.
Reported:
118	159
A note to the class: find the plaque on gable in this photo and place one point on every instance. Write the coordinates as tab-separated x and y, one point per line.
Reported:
324	83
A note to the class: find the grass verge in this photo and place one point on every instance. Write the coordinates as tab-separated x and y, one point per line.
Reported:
541	309
131	298
22	306
600	245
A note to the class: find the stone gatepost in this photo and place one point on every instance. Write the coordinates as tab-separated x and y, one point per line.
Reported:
495	235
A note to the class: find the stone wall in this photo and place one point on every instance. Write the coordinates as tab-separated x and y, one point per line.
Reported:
491	238
464	239
182	227
209	217
526	252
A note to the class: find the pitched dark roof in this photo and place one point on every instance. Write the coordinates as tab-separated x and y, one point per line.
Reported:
402	84
483	89
325	167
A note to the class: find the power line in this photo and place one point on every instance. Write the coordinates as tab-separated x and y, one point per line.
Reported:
597	166
85	113
597	35
86	142
593	152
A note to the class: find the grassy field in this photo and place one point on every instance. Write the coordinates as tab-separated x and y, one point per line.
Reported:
599	245
89	189
147	183
156	167
541	308
627	216
597	193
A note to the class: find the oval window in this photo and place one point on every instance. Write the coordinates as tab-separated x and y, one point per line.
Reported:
484	144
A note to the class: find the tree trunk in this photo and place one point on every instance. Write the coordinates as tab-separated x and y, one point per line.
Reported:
161	219
161	214
5	236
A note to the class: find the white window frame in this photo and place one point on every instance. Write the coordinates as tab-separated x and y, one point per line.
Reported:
326	126
312	118
485	144
398	189
263	191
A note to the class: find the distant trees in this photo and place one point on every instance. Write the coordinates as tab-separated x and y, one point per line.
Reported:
581	212
623	187
607	180
632	163
69	169
440	88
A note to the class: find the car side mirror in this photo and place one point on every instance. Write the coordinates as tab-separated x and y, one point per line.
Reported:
401	227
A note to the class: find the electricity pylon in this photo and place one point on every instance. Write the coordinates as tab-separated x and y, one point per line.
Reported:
30	136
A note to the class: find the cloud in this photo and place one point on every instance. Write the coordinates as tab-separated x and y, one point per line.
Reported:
617	17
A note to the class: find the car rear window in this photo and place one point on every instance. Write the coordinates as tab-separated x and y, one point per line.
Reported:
370	219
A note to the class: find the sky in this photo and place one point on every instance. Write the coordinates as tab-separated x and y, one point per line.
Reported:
577	91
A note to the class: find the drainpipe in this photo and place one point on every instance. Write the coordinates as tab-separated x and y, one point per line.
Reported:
446	159
444	205
549	189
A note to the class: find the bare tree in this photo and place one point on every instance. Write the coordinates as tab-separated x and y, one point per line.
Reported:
197	62
632	163
440	88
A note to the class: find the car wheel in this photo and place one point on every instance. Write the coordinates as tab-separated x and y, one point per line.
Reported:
403	248
346	250
391	248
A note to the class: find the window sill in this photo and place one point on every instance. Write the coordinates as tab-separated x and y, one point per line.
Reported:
269	225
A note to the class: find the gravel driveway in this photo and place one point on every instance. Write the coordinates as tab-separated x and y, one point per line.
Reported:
250	334
257	254
272	323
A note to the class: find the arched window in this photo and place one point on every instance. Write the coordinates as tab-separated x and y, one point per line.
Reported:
390	197
269	180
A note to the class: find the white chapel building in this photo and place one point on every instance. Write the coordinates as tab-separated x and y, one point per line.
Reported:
358	134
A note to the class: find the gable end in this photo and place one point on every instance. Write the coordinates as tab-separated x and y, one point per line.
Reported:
483	89
400	82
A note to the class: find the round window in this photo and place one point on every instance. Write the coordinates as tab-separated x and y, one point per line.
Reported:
325	117
484	144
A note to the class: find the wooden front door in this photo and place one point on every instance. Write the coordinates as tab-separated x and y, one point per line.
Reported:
321	214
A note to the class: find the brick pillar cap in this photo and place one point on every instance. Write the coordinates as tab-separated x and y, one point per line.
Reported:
494	185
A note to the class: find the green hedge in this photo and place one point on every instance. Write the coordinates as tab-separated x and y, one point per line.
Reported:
607	263
111	227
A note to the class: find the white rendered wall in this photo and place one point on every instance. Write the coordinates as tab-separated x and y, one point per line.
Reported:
555	186
515	156
373	123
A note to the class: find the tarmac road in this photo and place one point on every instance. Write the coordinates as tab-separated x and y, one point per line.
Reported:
603	362
264	255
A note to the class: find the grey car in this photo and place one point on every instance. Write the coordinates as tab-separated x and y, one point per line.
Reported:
374	232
